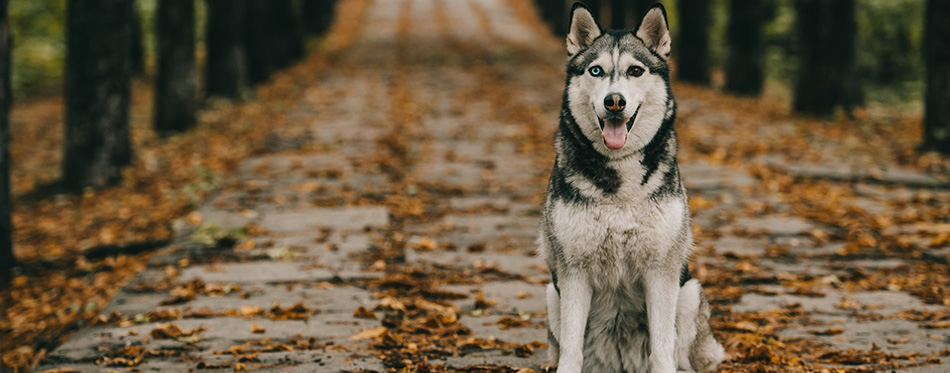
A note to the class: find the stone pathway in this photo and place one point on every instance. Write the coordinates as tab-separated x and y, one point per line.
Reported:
432	132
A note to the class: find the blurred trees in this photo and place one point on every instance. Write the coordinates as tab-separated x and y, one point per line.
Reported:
318	15
226	71
827	68
554	13
7	260
275	34
176	102
97	89
744	68
626	14
937	95
692	48
138	44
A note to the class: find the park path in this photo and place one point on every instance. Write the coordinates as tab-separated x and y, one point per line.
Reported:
394	226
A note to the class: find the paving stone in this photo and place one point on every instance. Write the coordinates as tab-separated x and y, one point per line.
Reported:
471	202
739	245
890	301
704	176
846	172
263	272
861	336
776	225
510	263
353	218
507	293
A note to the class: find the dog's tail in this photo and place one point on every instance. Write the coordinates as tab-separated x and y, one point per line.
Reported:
696	346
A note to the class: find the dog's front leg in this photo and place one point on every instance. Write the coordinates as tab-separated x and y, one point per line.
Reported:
575	305
661	294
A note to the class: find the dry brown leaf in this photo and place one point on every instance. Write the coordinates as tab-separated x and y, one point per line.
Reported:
363	313
369	333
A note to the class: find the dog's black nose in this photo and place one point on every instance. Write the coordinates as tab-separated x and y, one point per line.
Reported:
615	102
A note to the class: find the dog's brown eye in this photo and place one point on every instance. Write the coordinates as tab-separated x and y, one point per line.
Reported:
635	71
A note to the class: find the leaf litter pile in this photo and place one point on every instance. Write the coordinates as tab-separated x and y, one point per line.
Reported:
417	322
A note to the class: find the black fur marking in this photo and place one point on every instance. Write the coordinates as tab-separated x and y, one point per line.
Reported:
684	275
656	151
670	184
557	254
562	190
579	157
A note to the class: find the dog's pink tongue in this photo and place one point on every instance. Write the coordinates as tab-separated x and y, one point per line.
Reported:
614	133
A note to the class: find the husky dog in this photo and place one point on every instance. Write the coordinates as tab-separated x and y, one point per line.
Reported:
616	228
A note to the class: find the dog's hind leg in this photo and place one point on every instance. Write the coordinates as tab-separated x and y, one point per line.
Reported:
554	323
696	348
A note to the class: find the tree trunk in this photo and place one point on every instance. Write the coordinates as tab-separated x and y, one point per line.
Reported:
138	44
692	60
559	13
98	65
176	103
937	60
226	72
274	37
554	13
596	10
744	66
827	75
626	14
619	12
7	260
318	14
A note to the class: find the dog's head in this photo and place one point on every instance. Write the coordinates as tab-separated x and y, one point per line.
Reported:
618	81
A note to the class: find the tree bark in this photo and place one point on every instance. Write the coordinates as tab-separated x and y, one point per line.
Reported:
827	74
554	13
937	60
318	14
7	259
274	37
97	89
138	44
596	9
692	62
176	103
619	12
226	71
626	14
744	66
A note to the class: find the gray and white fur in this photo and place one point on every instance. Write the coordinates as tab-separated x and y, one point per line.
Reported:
616	227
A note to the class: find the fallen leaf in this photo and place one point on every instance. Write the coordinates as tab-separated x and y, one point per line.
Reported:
369	333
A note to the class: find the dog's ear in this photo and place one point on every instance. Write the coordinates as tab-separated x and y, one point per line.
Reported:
583	30
654	30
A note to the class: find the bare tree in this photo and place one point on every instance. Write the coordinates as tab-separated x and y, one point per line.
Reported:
744	66
176	104
97	90
625	14
937	59
138	43
318	14
827	70
554	12
693	61
7	259
226	73
274	36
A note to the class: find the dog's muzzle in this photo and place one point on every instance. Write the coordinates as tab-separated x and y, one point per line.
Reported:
614	130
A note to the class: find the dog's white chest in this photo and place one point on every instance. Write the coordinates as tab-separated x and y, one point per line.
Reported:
613	236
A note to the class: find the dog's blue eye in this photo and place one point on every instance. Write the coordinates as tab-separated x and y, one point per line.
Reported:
596	71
